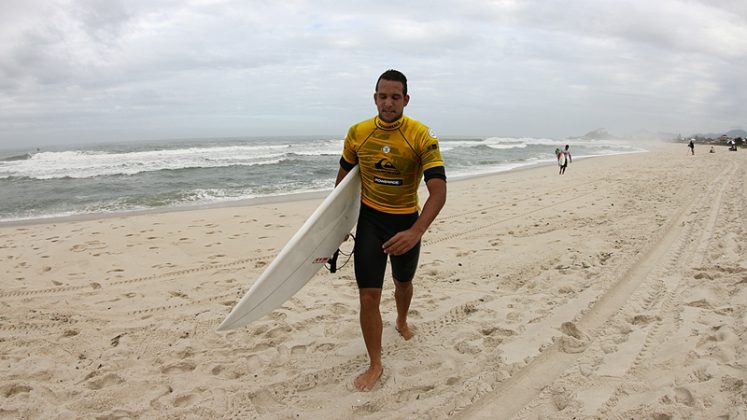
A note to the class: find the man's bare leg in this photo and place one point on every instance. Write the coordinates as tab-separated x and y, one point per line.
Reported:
371	326
403	297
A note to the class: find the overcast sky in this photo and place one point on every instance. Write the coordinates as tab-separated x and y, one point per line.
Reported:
108	70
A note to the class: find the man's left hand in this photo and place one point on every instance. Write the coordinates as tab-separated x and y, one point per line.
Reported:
401	242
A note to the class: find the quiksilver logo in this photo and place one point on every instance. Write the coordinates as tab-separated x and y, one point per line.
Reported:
385	165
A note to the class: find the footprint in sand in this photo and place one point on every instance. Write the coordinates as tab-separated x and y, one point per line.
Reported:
179	367
414	393
105	381
163	265
324	347
96	244
184	400
467	347
643	319
300	349
9	391
684	396
574	340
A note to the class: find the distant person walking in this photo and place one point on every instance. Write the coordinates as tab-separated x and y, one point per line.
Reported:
564	158
691	145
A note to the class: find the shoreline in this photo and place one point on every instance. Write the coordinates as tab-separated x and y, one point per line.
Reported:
258	201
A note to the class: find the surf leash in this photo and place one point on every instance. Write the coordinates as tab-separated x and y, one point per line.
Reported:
333	260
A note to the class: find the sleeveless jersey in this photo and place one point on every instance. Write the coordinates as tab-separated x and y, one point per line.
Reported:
392	158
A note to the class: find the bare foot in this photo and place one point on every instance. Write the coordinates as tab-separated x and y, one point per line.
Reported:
405	331
367	380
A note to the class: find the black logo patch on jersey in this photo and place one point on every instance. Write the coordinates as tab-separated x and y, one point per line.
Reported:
391	182
386	166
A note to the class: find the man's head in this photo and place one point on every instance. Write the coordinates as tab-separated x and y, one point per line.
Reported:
391	96
393	76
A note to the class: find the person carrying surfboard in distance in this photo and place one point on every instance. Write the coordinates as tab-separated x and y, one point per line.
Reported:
393	152
564	158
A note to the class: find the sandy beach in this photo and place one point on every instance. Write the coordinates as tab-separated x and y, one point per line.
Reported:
618	290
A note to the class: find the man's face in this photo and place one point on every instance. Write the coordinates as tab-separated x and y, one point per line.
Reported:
389	100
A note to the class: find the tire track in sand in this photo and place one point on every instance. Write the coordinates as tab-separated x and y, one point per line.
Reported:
510	396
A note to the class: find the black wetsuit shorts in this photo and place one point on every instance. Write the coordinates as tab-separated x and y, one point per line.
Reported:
375	228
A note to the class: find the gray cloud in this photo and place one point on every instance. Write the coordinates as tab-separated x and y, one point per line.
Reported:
93	71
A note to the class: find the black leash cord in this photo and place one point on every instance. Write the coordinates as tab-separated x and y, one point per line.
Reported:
333	260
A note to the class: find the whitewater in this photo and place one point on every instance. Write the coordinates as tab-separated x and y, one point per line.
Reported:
123	177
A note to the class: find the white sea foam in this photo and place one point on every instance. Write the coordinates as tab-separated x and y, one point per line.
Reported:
88	164
116	178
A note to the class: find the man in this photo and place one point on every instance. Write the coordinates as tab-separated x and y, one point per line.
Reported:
565	160
394	152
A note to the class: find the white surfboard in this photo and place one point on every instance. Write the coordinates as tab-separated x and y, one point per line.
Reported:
307	251
562	158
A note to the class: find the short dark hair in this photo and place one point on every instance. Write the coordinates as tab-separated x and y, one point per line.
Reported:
394	76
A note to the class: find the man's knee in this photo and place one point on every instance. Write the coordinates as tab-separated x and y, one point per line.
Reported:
402	285
370	297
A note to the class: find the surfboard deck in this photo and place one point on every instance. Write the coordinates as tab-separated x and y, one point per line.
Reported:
304	254
561	159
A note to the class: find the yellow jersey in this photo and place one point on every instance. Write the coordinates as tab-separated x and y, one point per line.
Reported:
392	158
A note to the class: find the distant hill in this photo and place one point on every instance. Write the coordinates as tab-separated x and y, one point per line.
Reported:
603	134
599	133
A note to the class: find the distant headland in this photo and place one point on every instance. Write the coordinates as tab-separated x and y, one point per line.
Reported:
737	135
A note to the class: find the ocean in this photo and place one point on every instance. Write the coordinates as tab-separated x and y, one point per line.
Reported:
140	176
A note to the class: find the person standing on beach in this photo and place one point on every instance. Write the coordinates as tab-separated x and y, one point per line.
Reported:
394	152
567	159
691	145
